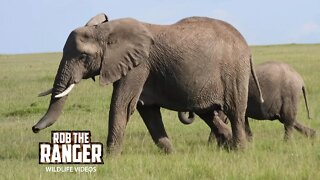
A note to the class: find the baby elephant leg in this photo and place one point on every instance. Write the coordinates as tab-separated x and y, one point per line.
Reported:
221	131
248	130
308	132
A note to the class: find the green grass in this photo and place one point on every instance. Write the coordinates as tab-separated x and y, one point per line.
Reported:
22	77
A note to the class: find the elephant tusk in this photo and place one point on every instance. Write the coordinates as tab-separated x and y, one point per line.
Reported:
65	92
45	93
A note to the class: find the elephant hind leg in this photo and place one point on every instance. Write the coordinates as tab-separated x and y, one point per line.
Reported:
288	117
308	132
248	130
151	116
218	128
288	128
237	120
288	123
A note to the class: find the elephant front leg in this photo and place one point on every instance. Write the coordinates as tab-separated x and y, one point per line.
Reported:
151	116
118	119
120	112
123	103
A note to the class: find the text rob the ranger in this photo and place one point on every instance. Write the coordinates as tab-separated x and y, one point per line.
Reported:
70	147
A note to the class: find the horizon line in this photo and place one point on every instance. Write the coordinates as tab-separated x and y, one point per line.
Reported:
252	45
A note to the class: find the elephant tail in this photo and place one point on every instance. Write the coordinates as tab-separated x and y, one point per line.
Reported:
184	119
306	101
253	73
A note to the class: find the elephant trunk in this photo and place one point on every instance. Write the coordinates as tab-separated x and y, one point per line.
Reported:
62	81
184	119
53	112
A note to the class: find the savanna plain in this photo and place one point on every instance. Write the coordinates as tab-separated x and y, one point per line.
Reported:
22	77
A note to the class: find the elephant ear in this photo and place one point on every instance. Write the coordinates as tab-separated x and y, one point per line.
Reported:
128	45
98	19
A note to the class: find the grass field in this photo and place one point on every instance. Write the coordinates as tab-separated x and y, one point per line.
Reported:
22	77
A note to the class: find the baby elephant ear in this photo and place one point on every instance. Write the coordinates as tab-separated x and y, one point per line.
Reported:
98	19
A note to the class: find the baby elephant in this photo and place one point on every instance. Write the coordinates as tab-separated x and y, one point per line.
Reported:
281	87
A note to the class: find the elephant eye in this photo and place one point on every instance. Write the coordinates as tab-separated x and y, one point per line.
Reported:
83	57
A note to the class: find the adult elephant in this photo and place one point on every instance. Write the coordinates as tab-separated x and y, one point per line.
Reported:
197	64
282	87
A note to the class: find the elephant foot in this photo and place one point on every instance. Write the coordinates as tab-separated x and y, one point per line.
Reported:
308	132
227	145
227	142
312	133
238	144
249	137
165	145
113	150
223	141
211	138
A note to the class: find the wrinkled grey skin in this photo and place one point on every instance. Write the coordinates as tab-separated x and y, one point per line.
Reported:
203	59
282	87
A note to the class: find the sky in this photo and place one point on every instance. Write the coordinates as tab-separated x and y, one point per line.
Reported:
35	26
